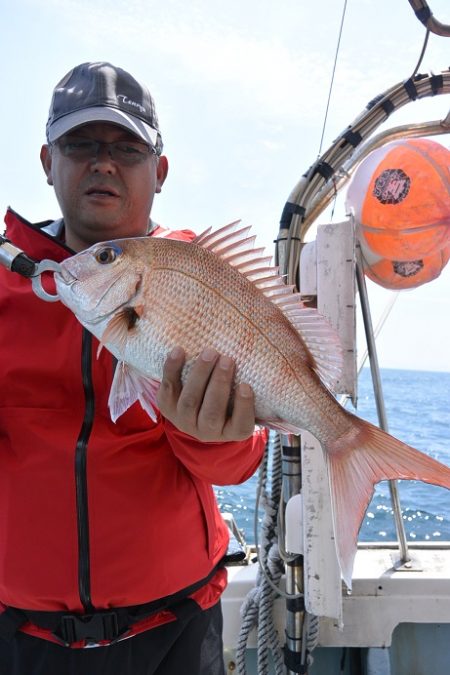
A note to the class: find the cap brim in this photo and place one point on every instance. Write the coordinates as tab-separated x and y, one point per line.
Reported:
76	119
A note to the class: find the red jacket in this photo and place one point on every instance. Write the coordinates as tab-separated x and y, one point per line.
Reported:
95	514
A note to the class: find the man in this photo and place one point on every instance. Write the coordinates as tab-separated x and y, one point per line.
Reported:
108	531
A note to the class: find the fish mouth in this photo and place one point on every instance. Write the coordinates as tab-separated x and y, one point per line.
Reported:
67	278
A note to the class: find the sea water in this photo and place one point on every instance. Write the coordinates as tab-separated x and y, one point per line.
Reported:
418	412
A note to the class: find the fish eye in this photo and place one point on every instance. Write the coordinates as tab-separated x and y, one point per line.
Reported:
106	255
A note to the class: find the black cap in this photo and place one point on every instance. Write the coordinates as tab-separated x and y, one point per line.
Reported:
100	92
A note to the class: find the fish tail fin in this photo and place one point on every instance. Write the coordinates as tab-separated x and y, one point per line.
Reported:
357	461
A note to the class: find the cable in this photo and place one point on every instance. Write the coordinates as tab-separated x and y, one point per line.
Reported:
259	549
332	76
422	53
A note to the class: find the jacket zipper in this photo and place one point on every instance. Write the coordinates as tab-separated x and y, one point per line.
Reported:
84	576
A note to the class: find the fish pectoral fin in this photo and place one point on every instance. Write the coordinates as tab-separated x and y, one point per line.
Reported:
139	310
355	465
129	386
117	329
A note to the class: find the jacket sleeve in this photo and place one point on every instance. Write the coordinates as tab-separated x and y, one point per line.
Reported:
218	463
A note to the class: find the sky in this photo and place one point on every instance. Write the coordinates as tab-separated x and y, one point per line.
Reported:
241	90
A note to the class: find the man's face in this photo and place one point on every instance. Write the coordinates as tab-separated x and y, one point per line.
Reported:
101	197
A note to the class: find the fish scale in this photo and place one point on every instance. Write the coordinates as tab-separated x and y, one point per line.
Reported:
259	355
237	310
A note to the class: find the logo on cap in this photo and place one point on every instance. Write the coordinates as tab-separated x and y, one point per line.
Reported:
127	101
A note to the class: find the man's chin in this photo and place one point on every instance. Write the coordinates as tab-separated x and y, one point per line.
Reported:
97	231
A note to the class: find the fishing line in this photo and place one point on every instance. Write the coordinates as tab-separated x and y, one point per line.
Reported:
387	310
332	76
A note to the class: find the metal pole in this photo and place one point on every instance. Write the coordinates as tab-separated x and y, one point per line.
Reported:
381	411
295	651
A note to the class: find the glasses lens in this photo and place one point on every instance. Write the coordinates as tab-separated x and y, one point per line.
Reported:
78	148
127	153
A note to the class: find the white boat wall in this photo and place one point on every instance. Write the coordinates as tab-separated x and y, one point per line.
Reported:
286	609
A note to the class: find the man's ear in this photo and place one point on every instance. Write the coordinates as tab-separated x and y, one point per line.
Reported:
46	161
161	172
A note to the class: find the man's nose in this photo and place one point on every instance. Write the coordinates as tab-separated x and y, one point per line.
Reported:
102	156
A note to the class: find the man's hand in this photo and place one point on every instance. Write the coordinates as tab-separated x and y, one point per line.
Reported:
200	408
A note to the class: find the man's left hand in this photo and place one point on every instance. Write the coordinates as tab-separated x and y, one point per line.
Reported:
201	407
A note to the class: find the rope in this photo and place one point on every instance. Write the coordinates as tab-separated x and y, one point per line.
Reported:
310	636
257	608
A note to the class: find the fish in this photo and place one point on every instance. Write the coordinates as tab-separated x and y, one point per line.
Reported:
142	296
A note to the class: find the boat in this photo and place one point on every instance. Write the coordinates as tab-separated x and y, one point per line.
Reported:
286	609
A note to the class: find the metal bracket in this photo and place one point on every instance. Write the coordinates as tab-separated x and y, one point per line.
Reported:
410	565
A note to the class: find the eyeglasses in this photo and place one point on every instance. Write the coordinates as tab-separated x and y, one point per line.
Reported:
127	153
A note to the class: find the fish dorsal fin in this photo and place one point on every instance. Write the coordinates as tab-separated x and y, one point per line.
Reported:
322	341
237	248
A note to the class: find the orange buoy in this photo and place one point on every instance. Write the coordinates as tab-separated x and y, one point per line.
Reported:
399	274
400	200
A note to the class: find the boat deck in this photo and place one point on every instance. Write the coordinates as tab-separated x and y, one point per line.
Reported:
384	595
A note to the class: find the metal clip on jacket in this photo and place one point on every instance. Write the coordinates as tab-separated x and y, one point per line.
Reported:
16	260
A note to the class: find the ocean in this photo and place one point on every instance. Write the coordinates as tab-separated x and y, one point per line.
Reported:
418	412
